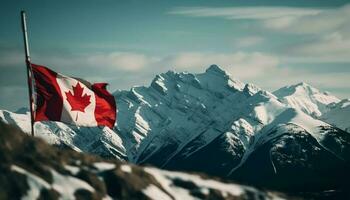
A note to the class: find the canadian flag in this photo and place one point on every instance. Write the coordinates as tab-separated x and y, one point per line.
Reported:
71	100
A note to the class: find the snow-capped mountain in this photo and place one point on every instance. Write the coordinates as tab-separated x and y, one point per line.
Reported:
212	123
306	98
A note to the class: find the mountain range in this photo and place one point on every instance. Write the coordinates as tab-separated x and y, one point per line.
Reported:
293	139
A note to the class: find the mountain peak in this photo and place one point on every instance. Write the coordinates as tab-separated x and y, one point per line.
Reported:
299	88
306	98
215	69
304	84
251	89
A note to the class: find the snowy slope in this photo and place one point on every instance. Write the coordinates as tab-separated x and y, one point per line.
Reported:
306	98
289	116
339	115
309	153
101	141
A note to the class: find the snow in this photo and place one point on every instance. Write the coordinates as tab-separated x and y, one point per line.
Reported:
72	169
251	89
301	119
35	183
126	168
103	166
288	116
306	98
165	178
22	121
345	104
67	185
153	192
63	184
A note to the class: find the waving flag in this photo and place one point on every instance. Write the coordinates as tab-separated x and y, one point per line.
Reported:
71	100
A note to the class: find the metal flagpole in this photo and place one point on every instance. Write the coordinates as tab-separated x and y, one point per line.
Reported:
29	70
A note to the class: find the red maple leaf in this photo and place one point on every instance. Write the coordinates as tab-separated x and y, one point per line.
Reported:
76	100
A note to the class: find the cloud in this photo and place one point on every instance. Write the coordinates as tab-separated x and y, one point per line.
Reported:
126	69
241	64
248	41
122	60
255	12
11	57
324	21
285	19
272	17
13	97
332	82
91	63
331	48
323	34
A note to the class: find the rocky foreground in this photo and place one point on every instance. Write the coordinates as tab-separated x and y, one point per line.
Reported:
32	169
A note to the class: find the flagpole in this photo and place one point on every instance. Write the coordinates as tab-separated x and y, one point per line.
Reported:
29	70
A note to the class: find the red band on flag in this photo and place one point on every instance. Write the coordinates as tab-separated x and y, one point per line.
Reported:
48	95
105	110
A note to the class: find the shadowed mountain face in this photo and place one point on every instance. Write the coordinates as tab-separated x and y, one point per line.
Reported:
212	123
295	161
32	169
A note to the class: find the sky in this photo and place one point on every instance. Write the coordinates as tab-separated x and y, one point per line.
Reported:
126	43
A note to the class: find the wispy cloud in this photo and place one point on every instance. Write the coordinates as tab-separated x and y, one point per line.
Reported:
243	64
327	20
126	69
287	19
256	12
273	17
331	48
239	64
248	41
126	61
324	33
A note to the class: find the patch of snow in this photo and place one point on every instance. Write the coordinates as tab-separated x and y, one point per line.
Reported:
67	185
72	169
35	183
22	121
153	192
165	178
103	166
107	198
126	168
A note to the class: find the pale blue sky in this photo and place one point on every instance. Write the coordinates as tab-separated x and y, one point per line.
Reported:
126	43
